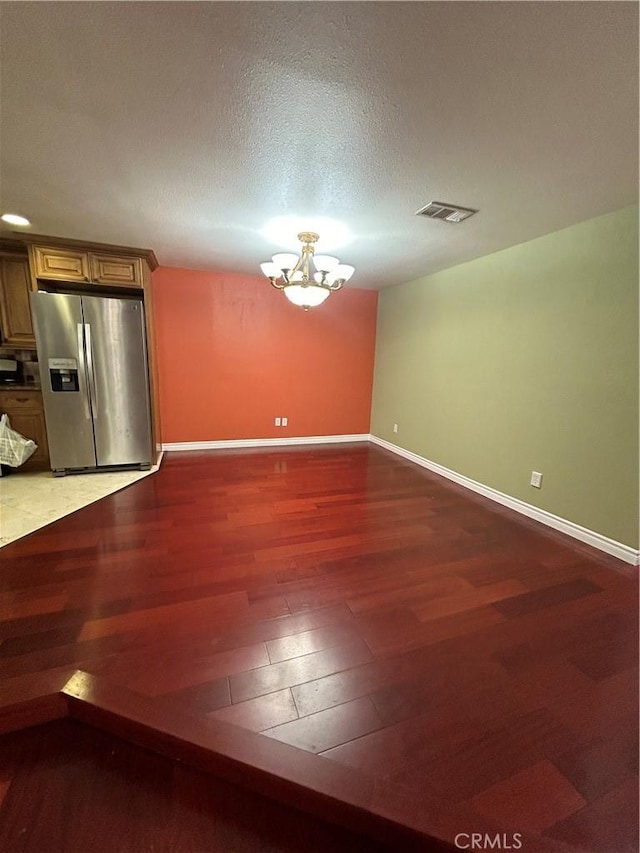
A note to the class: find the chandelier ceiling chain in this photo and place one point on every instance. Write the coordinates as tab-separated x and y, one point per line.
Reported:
292	274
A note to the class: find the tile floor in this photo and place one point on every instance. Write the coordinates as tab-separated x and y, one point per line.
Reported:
33	499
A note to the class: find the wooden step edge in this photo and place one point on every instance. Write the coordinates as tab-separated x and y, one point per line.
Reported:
33	699
396	816
391	814
294	777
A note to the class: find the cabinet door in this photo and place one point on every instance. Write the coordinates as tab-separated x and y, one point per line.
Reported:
60	264
31	425
15	315
119	271
26	416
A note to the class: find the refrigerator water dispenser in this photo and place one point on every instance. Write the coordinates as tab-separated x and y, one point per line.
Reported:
63	373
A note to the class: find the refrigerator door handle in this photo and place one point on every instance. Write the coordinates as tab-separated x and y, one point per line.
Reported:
91	371
83	370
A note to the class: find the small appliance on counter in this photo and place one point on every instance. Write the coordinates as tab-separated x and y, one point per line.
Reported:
10	371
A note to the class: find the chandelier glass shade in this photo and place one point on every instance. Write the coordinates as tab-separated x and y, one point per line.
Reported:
294	275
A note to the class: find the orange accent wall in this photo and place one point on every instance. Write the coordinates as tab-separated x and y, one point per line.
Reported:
233	354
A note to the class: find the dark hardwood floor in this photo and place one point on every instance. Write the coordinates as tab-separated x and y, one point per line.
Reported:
345	602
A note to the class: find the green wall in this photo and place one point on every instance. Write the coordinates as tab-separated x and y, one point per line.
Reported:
526	359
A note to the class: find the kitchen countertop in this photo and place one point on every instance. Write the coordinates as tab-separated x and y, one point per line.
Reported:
30	387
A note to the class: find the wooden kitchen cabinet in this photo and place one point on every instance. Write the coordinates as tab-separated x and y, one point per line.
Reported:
26	415
73	265
114	270
59	264
16	328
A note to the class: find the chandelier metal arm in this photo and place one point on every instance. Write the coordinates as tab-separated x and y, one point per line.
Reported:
300	278
308	239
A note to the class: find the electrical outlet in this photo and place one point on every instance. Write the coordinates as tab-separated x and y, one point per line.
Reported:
536	479
285	422
277	421
395	427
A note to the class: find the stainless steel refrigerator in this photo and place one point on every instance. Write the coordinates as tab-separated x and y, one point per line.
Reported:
92	352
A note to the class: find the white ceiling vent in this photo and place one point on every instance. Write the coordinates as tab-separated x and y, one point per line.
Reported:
447	212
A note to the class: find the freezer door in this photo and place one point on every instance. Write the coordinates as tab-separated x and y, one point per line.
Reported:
59	330
116	349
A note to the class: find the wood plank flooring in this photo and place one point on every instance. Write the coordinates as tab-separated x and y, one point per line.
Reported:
352	605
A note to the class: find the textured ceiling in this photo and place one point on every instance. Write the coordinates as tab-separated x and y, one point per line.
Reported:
187	127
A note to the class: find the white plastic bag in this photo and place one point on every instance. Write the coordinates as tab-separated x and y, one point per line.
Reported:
15	449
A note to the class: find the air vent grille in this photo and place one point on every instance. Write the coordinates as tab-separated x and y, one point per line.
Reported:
447	212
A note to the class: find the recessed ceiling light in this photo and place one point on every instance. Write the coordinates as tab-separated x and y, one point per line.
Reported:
14	219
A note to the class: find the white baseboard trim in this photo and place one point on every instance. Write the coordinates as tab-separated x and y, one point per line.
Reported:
264	442
576	531
590	537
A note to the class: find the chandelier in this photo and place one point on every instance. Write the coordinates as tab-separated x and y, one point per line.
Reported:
292	274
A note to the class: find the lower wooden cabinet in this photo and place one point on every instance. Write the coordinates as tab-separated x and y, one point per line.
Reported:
26	414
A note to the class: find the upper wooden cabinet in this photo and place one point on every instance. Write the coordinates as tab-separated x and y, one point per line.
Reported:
60	264
16	329
55	259
120	271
